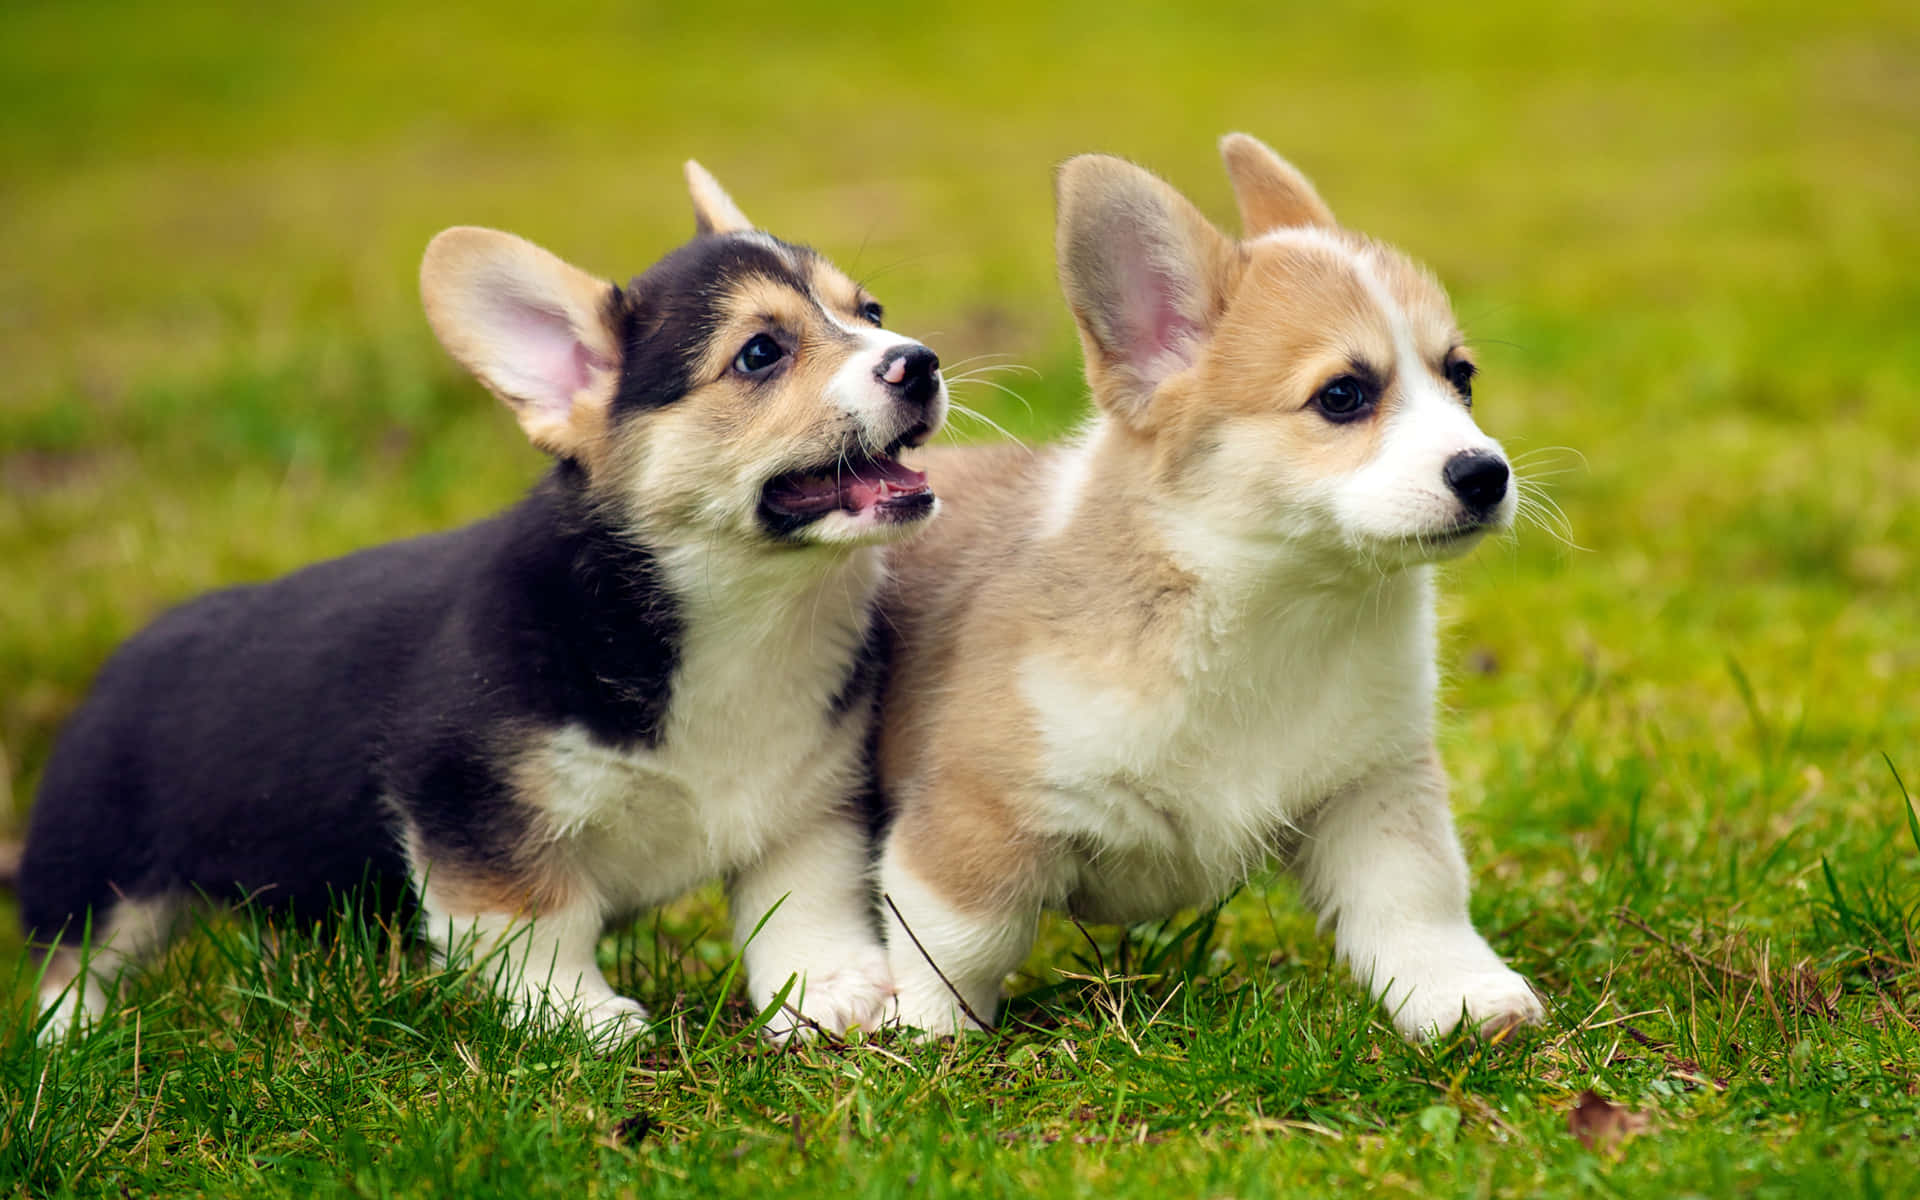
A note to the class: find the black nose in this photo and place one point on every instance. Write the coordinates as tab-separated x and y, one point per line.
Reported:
909	371
1478	478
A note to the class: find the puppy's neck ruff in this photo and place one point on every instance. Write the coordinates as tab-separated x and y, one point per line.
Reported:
744	594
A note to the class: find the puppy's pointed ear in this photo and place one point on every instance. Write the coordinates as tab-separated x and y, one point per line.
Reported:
1145	274
1271	192
713	210
536	331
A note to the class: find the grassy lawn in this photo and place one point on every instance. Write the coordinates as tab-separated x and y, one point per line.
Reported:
1684	239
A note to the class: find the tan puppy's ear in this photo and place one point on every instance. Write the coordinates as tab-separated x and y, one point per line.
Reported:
1145	274
1271	192
536	331
713	210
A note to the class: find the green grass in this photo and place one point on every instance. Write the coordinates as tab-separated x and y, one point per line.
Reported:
1684	239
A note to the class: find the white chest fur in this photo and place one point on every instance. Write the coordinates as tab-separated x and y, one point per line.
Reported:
1183	782
751	746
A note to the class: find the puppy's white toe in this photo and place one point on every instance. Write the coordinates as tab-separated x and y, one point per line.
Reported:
931	1016
1488	1001
614	1020
856	996
607	1022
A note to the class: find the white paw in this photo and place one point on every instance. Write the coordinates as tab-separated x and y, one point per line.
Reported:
608	1021
1490	1001
80	1005
856	996
932	1014
64	1015
613	1020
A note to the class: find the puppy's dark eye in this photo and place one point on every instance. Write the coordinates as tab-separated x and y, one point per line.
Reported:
1345	399
1460	374
871	312
758	354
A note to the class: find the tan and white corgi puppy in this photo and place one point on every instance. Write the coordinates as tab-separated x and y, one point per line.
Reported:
1129	670
653	671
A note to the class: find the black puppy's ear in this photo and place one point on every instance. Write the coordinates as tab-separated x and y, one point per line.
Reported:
713	210
537	331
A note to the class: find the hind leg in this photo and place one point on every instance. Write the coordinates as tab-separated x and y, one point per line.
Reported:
83	971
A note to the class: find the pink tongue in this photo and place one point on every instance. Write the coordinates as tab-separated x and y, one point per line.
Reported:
872	483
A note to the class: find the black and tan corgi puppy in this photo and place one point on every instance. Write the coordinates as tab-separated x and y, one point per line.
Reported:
1131	669
653	671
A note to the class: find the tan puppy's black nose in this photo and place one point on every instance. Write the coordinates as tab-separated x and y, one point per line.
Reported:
1478	478
911	372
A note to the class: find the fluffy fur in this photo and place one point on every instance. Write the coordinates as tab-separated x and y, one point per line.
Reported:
1131	669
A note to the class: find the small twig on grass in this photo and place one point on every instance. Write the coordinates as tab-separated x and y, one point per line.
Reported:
1773	1006
832	1039
958	998
1626	916
145	1143
39	1088
1099	959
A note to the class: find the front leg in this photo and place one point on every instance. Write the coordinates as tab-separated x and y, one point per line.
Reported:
1382	864
955	923
535	946
812	892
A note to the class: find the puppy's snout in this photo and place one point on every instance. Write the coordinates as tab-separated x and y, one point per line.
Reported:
912	372
1478	478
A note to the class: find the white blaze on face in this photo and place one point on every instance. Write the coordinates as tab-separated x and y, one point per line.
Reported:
857	389
1401	493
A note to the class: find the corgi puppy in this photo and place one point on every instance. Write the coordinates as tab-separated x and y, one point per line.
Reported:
654	670
1129	670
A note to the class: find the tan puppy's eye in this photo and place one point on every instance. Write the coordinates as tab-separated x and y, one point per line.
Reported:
871	312
1345	399
760	353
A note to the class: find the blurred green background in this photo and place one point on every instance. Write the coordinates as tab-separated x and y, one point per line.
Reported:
1684	236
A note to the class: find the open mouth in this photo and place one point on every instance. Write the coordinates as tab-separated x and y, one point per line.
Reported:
858	482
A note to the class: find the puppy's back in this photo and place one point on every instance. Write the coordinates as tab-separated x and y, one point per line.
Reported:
232	728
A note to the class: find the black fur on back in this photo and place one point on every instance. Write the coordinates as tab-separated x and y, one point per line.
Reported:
259	741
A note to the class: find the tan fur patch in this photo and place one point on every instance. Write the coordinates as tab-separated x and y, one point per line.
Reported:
533	884
1271	193
959	753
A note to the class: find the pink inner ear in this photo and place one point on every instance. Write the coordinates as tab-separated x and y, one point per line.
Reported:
1158	333
547	362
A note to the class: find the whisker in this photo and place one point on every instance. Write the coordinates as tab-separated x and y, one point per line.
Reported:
974	358
988	369
975	415
895	265
998	387
1542	512
1528	455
